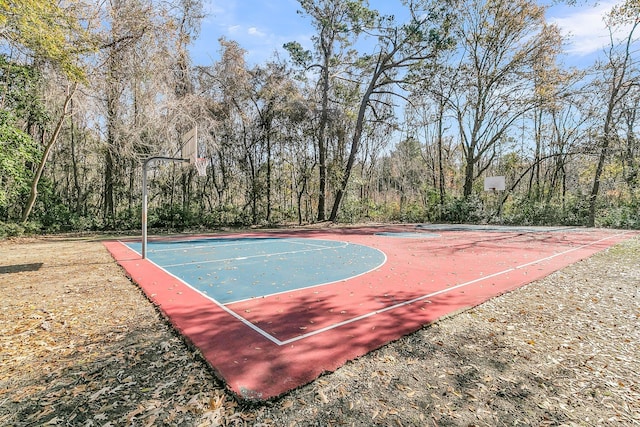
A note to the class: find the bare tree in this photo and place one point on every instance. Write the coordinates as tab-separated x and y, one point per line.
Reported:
399	51
619	78
500	43
631	148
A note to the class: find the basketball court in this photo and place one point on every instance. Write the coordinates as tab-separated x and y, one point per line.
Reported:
272	311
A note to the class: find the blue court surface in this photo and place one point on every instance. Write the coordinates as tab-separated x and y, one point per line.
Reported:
235	269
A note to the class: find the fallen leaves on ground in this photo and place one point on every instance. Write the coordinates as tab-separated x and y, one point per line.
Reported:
81	345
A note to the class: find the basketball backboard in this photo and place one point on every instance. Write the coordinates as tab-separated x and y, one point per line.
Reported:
190	145
494	183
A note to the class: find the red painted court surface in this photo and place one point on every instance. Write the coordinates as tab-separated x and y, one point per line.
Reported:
265	346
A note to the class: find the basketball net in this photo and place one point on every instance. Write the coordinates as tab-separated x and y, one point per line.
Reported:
201	164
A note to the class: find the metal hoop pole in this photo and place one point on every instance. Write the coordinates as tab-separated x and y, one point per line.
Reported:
145	196
144	209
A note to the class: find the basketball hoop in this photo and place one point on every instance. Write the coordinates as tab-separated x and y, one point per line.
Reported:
201	164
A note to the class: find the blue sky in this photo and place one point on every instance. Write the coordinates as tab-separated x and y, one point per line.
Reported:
261	27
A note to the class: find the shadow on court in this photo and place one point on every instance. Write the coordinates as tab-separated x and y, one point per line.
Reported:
265	346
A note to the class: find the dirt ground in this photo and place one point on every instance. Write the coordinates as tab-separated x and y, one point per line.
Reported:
80	345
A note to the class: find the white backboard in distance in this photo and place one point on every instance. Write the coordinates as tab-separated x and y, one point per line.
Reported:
494	183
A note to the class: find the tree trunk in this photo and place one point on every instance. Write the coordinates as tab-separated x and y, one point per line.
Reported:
322	145
467	188
441	183
45	155
109	204
267	130
595	189
74	164
355	146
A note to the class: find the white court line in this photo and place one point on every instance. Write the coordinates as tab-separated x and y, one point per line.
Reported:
236	315
383	310
384	261
270	254
442	291
254	240
304	242
232	313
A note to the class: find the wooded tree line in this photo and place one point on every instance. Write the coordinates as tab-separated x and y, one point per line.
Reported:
380	119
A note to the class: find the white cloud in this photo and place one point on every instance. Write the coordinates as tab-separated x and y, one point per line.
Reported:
253	31
585	28
260	28
215	11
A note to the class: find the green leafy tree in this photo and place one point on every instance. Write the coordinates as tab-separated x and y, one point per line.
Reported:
16	150
338	24
22	110
51	141
46	30
19	93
